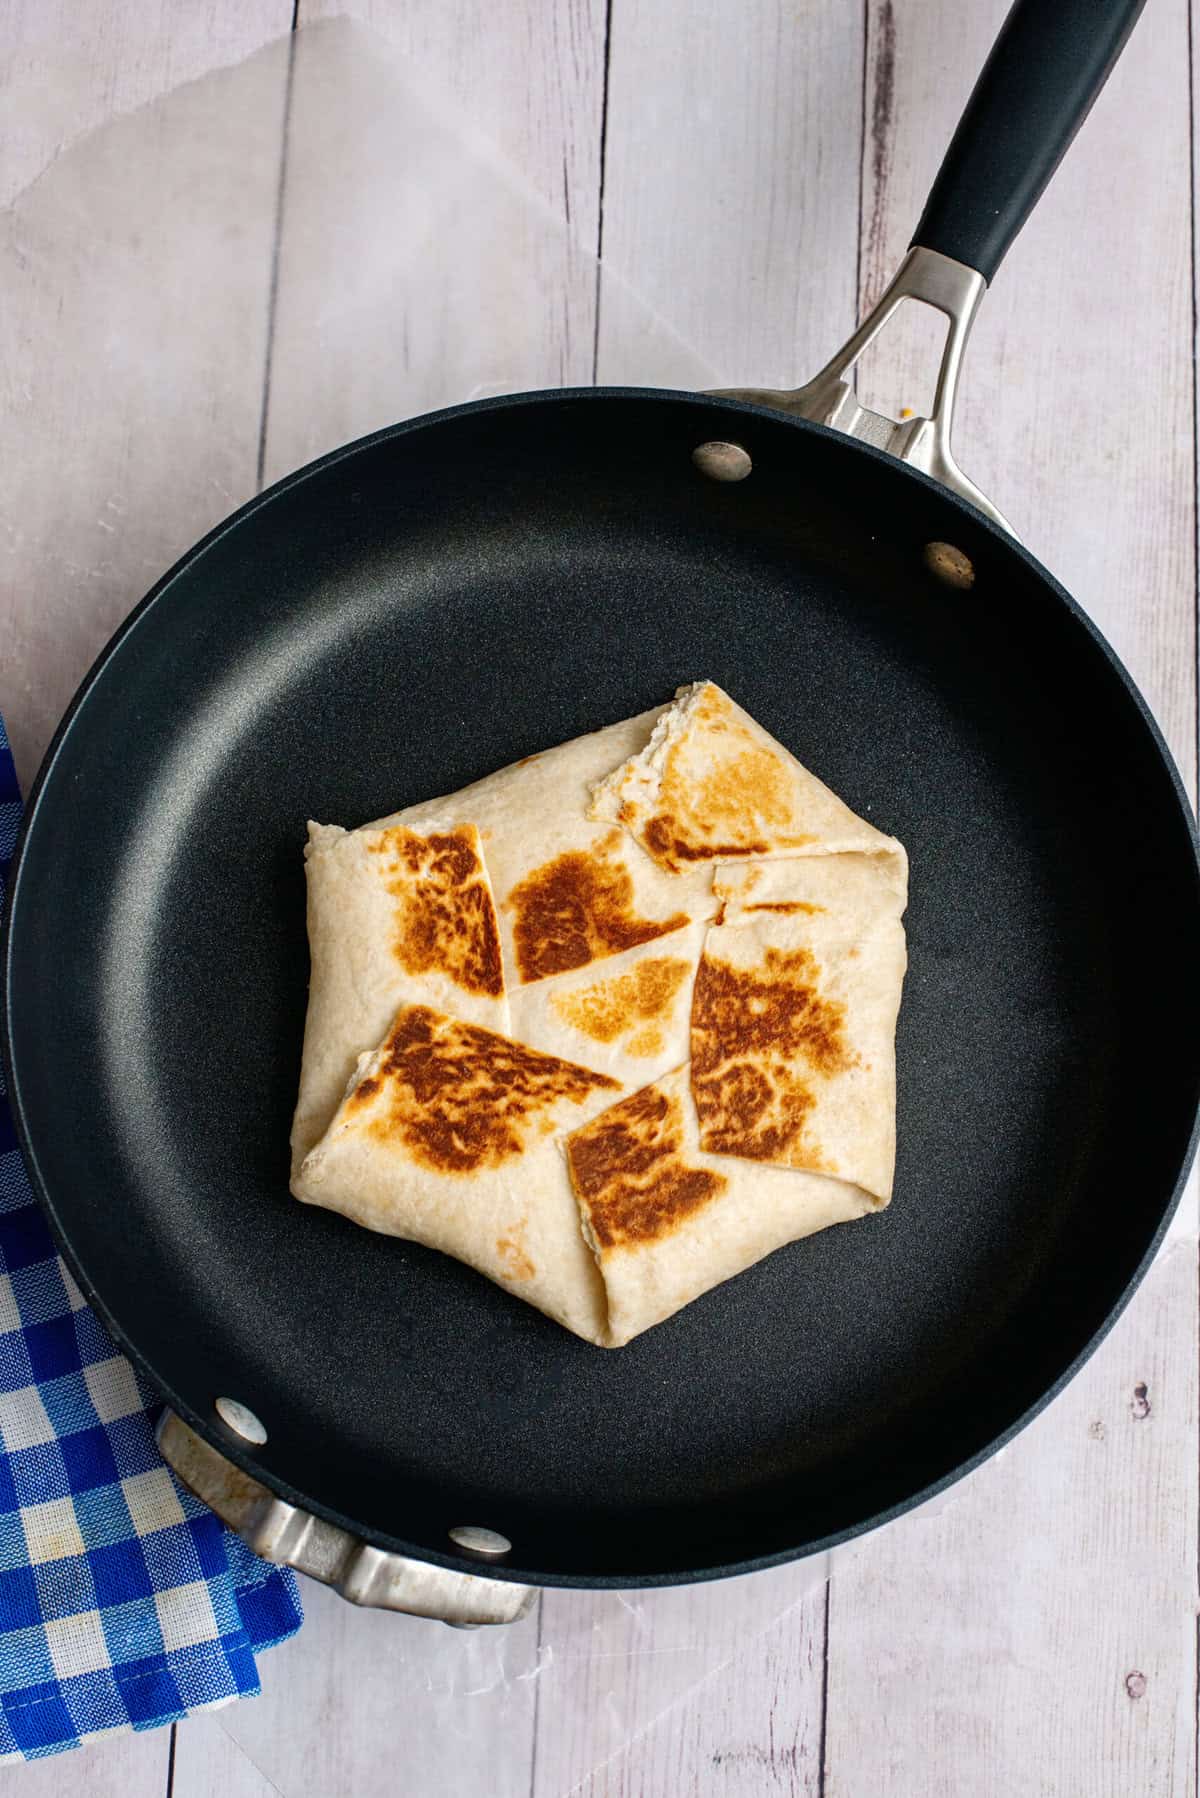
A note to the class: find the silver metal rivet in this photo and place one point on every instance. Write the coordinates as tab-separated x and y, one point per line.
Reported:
240	1419
950	565
478	1541
722	461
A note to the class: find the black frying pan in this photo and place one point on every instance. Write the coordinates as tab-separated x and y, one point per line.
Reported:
456	592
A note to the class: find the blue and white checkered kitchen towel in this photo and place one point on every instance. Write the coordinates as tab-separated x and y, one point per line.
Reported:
124	1603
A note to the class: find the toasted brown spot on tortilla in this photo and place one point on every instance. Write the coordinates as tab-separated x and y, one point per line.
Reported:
761	1037
577	909
663	839
754	780
513	1259
445	920
456	1097
611	1007
735	801
630	1173
786	905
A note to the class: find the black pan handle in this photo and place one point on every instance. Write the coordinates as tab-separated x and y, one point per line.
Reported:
1049	62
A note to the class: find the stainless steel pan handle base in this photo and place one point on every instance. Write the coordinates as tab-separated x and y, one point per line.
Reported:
829	398
293	1538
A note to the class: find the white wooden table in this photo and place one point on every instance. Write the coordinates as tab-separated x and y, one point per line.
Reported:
751	173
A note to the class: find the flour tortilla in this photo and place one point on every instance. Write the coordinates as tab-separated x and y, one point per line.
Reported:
628	1015
668	1222
568	895
674	886
394	916
852	890
793	1043
711	786
632	1223
419	1148
570	891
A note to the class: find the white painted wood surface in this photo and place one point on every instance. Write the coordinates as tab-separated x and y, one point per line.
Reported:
731	180
362	105
119	455
1037	1632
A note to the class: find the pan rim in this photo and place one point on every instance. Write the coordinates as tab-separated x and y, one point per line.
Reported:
205	1426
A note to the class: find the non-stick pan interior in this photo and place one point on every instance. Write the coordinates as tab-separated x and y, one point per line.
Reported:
435	604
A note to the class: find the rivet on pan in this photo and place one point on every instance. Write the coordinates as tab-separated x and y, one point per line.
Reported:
950	565
722	461
240	1419
478	1541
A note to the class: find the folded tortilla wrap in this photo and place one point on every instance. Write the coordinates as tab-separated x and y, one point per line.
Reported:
610	1024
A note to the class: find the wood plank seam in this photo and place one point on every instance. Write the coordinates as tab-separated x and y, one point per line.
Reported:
276	240
877	106
824	1690
879	116
878	147
608	19
1192	153
1193	150
537	1697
